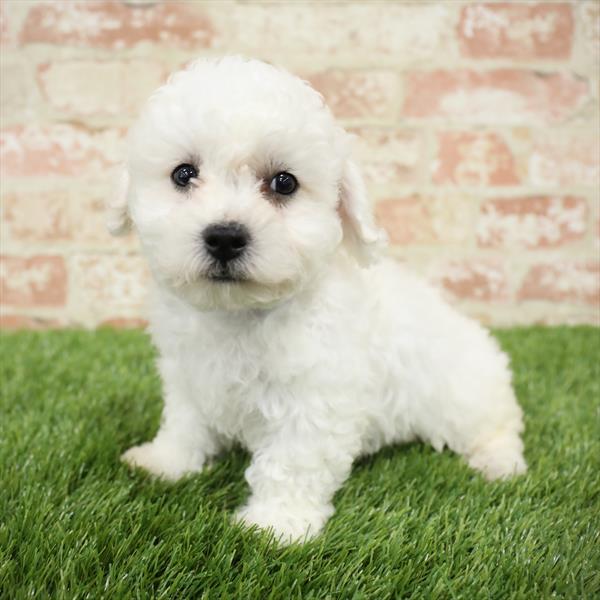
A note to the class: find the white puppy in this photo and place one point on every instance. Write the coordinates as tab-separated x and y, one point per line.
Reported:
278	323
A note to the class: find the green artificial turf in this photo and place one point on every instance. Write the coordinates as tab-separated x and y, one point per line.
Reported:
75	523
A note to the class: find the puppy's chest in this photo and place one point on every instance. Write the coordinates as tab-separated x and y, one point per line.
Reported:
239	382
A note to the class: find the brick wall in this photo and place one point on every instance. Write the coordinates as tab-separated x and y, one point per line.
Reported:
478	127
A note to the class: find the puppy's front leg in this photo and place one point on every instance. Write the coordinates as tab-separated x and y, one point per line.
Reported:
294	477
183	443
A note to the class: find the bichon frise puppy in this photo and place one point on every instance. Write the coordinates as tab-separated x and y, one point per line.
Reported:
279	323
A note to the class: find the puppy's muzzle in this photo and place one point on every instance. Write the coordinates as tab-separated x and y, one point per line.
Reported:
226	241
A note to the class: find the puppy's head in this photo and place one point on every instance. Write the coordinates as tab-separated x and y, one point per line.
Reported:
239	184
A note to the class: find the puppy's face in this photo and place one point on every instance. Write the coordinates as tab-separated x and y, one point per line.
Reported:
235	172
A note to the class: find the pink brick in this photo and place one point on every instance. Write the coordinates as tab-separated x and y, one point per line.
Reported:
100	87
357	94
474	280
389	156
347	32
474	159
14	322
112	24
88	213
565	159
107	286
124	323
563	281
5	34
57	216
19	96
421	219
516	30
37	217
588	35
59	149
33	281
532	222
497	96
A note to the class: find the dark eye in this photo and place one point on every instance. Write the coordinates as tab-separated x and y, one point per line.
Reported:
182	174
284	183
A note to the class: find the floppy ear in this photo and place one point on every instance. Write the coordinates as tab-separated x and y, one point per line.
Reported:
362	237
117	213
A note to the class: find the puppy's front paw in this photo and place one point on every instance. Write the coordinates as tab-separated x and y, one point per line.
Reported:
288	523
163	460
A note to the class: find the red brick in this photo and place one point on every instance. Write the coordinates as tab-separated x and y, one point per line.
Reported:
357	94
496	96
58	149
33	281
563	282
14	322
474	159
420	219
565	159
111	24
99	87
516	30
389	156
532	222
474	280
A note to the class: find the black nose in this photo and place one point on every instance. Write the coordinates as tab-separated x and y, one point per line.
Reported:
225	241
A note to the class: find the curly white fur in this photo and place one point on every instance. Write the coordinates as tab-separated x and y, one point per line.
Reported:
325	350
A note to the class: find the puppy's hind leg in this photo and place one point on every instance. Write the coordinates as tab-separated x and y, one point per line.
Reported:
490	439
478	415
498	455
